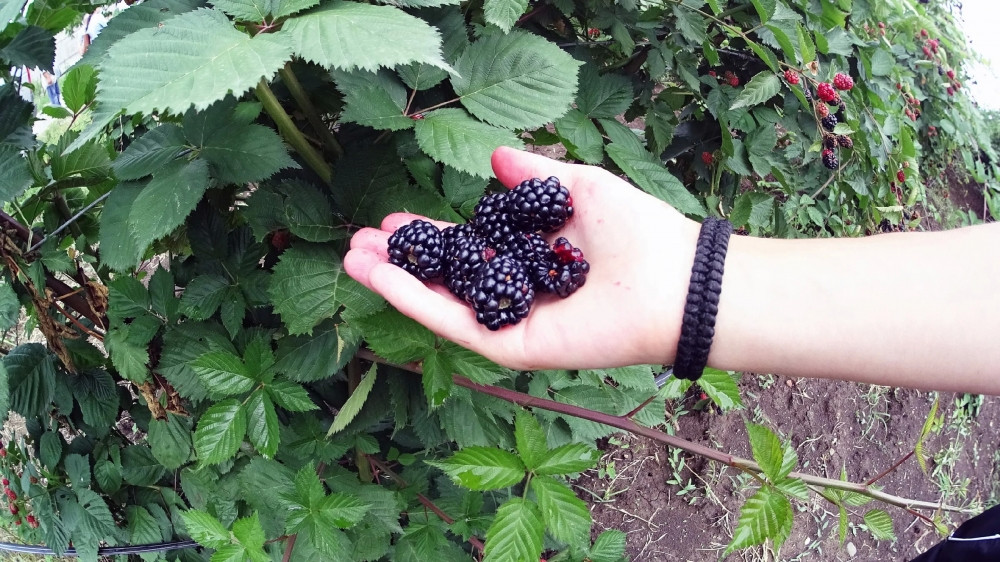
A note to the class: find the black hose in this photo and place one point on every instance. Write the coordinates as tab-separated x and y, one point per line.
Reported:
108	551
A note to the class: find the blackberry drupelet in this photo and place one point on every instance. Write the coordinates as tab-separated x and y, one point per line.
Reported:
417	248
493	220
829	122
501	293
463	257
537	205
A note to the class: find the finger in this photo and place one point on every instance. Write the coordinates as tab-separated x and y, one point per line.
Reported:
371	239
396	220
513	166
358	263
441	313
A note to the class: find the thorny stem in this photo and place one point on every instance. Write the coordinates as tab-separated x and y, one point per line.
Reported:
305	104
289	546
474	541
433	107
626	424
291	134
885	472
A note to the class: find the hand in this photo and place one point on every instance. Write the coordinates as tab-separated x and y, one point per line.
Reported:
629	311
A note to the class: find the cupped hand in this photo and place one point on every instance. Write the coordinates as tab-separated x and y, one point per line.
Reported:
629	311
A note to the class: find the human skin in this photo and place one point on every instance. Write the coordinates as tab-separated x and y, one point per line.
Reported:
917	310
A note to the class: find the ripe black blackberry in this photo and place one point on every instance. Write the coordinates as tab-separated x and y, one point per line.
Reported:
452	233
845	141
537	205
463	257
829	142
829	122
532	251
417	248
492	220
830	159
501	293
563	279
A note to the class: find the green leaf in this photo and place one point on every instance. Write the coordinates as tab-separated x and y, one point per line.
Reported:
603	96
170	441
285	8
32	47
691	25
142	526
140	467
10	308
77	470
452	137
4	394
721	388
9	11
648	173
205	529
581	137
290	396
609	547
515	80
150	152
50	448
15	176
759	89
767	450
128	356
32	379
437	379
566	516
308	213
255	11
374	100
879	523
765	9
753	209
395	337
531	443
349	35
190	60
203	295
119	249
516	533
568	459
250	534
308	359
96	519
220	432
90	160
482	468
918	448
262	424
223	373
166	200
352	406
766	515
504	13
472	365
108	476
141	15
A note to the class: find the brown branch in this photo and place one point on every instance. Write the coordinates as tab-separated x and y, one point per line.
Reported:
76	322
288	548
626	424
890	469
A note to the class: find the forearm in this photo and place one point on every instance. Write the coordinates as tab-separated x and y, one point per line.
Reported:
918	310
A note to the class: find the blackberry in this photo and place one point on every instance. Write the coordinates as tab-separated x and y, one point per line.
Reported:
417	248
830	159
565	251
829	122
453	233
537	205
532	251
841	112
501	293
829	142
563	279
493	221
845	141
463	258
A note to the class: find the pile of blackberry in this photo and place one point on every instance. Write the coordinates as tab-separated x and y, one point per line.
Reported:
498	261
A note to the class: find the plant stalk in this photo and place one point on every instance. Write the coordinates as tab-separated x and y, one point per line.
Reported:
305	104
291	134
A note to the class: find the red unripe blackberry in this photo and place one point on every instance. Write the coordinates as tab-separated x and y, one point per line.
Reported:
845	141
463	257
712	73
11	494
842	81
836	100
791	77
829	122
501	293
923	33
5	482
493	220
537	205
881	25
951	91
901	176
3	452
830	160
31	519
417	248
825	92
927	51
707	158
822	110
951	74
13	509
280	239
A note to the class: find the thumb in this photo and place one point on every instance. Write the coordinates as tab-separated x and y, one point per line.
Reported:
513	166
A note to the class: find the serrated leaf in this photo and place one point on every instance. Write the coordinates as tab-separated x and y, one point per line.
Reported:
766	515
170	441
312	358
10	308
352	406
150	152
32	379
349	35
759	89
290	396
119	249
452	137
238	152
515	80
483	468
752	208
767	450
918	447
4	394
608	547
603	96
220	432
96	519
164	203
437	379
250	534
308	213
32	47
9	11
530	439
223	373
255	11
141	15
203	295
721	388
205	529
396	337
374	100
77	470
262	424
451	24
566	516
50	449
90	161
568	459
285	8
648	173
128	357
794	487
879	523
15	176
140	467
581	137
504	13
516	533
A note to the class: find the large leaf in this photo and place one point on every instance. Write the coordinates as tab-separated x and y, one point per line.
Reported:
566	516
119	248
504	13
766	515
396	337
483	468
721	388
530	439
167	200
517	80
311	358
350	35
568	459
205	528
32	47
32	379
150	152
352	406
581	137
140	15
223	373
9	10
15	176
191	60
220	432
603	96
759	89
4	394
767	450
372	99
452	137
648	172
262	423
170	441
516	533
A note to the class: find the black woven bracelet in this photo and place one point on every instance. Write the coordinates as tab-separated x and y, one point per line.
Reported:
698	326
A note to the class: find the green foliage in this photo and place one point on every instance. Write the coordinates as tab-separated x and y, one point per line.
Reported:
221	155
